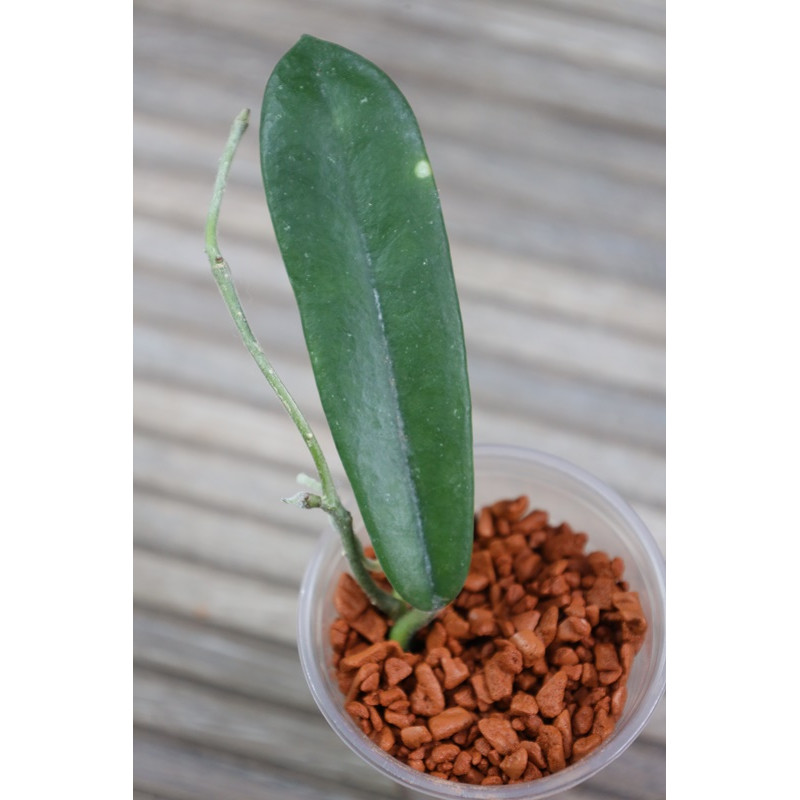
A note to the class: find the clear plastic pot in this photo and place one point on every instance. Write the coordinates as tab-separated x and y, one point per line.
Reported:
569	495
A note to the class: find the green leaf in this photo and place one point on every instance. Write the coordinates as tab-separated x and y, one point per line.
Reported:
358	221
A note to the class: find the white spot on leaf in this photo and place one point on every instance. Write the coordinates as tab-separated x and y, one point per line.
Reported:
422	169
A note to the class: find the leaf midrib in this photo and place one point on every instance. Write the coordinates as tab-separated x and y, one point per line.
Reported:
343	165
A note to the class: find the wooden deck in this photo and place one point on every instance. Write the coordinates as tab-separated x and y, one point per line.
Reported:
545	126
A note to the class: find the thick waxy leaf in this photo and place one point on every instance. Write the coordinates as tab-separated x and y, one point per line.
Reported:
357	217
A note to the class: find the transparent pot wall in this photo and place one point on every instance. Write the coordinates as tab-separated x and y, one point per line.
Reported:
569	495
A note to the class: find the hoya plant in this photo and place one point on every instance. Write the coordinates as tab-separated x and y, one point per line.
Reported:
357	217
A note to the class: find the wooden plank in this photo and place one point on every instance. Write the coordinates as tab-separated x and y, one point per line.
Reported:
464	57
575	402
221	657
184	509
531	218
173	201
536	185
202	592
592	43
561	402
222	538
638	474
556	290
297	742
518	203
595	353
231	482
483	275
562	347
525	179
645	14
559	408
229	425
220	480
191	772
530	231
457	115
202	517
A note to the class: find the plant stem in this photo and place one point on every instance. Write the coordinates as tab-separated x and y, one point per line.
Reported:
331	504
409	624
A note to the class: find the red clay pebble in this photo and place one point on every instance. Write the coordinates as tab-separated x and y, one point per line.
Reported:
514	763
551	696
481	572
399	719
530	645
349	599
338	633
603	722
455	672
464	696
601	593
462	764
585	745
371	625
605	657
523	704
548	625
618	698
370	683
449	722
386	739
444	752
437	636
389	696
499	733
484	526
573	629
478	682
358	680
627	603
374	654
455	625
427	699
563	725
396	670
552	744
414	736
358	710
582	720
524	674
534	521
482	622
499	681
535	754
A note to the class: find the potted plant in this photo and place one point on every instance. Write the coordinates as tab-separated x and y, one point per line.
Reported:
454	651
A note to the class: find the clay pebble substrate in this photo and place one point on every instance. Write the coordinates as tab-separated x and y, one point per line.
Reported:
523	674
